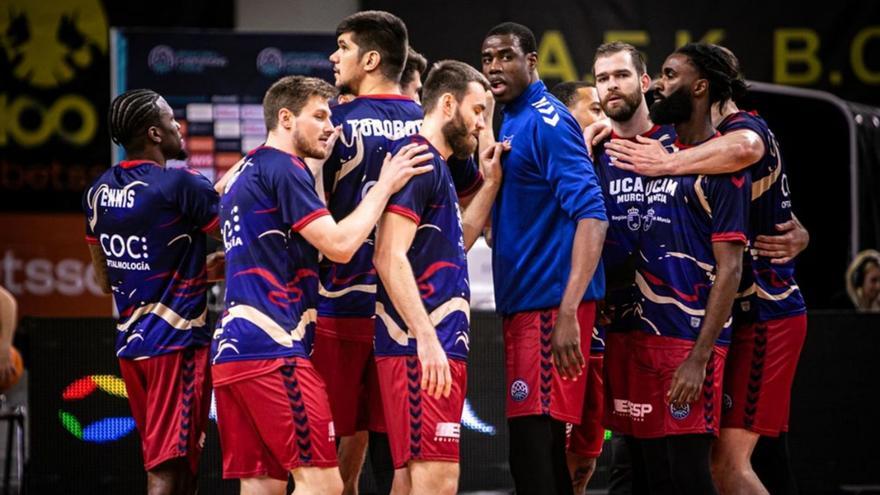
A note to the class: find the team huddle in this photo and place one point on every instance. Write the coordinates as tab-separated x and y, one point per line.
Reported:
642	264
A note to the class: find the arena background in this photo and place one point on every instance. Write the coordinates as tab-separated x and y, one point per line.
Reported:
817	74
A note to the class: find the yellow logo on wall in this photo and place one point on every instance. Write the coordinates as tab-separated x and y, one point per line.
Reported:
46	41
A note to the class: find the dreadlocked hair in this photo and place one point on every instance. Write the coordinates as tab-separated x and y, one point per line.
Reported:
131	113
714	64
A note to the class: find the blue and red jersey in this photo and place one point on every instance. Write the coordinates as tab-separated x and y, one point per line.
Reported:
682	217
150	222
624	194
271	270
549	185
438	261
768	291
371	126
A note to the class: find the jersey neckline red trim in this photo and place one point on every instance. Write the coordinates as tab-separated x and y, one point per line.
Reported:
295	159
136	163
645	134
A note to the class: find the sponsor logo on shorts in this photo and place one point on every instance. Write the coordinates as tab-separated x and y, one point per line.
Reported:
331	431
447	432
519	390
636	412
679	412
727	402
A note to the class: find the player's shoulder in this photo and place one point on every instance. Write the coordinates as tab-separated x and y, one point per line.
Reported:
388	106
545	111
552	120
743	120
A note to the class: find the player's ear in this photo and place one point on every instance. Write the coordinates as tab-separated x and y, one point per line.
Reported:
645	82
448	104
285	118
154	134
700	87
371	60
532	61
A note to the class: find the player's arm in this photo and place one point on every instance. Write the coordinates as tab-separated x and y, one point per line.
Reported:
569	171
220	185
198	200
687	382
586	251
339	241
393	239
476	214
215	266
486	139
99	262
728	197
8	322
726	154
792	239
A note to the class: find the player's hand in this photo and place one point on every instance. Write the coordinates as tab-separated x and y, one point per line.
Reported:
595	133
687	382
645	156
215	265
566	345
782	248
436	375
331	141
399	169
221	185
490	162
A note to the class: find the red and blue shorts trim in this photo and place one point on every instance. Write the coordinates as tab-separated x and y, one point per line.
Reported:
425	428
759	374
170	396
586	439
343	355
635	402
275	422
534	386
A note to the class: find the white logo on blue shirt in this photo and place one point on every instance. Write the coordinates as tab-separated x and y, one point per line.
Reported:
547	110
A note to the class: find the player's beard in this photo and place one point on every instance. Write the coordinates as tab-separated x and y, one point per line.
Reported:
181	154
623	112
674	109
307	149
460	140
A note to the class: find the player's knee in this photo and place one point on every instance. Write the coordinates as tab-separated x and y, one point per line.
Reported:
434	477
402	483
333	485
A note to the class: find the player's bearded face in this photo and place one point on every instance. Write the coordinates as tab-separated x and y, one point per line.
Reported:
461	136
312	130
627	106
673	109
